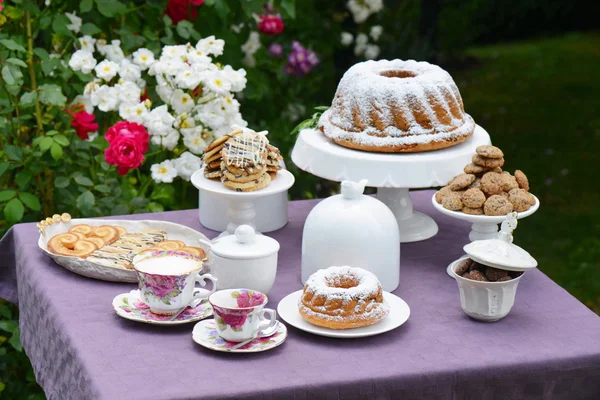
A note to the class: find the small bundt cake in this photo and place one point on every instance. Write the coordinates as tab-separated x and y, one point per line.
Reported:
396	106
342	298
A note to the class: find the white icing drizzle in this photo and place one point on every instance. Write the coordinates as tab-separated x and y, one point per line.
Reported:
246	149
368	286
364	89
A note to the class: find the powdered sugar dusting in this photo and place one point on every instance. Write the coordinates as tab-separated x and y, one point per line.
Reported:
322	284
388	103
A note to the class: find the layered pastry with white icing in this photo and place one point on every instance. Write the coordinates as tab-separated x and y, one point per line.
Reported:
396	106
342	298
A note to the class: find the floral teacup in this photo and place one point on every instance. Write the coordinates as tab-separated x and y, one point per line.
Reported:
240	313
167	280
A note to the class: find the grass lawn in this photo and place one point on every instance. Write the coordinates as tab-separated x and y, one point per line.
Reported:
540	102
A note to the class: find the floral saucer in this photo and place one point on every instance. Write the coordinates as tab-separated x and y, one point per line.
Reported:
205	334
129	306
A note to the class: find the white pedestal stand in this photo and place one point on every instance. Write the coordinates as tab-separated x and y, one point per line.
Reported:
484	227
393	174
241	208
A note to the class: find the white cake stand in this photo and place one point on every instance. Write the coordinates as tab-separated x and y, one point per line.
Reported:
484	227
393	174
241	208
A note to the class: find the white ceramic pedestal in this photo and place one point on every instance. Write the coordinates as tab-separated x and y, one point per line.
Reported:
392	173
484	227
241	209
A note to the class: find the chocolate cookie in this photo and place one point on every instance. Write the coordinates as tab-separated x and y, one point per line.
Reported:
489	151
473	198
522	180
520	199
491	183
509	182
461	181
493	274
474	169
463	266
440	194
504	278
497	205
247	186
476	184
487	162
452	201
472	211
476	276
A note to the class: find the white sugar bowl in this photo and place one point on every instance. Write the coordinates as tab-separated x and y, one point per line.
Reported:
245	259
352	229
488	300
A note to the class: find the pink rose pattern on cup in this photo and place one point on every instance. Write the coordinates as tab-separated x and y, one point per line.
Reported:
164	288
257	344
236	318
140	310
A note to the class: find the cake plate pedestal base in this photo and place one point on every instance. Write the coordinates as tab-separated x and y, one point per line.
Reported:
393	174
240	205
483	227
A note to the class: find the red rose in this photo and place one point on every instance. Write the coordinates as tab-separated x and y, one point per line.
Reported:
270	24
83	122
128	142
179	10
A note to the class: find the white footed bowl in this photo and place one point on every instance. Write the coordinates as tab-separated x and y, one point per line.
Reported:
485	301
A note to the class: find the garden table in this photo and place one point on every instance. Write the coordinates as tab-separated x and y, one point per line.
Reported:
547	347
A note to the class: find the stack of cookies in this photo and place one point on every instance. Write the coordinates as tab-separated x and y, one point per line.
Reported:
485	189
243	160
470	269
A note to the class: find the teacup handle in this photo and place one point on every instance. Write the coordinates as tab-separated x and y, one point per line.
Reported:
272	318
201	279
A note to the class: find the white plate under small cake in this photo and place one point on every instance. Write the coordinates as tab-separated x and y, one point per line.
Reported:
89	269
399	313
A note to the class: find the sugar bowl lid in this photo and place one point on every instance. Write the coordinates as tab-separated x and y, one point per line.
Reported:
501	252
245	243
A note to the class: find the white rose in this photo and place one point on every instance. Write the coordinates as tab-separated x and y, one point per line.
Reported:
164	92
217	82
87	43
346	38
210	45
159	121
181	102
106	98
188	79
194	142
371	51
144	58
163	172
187	164
106	70
376	31
75	24
83	61
237	78
85	102
252	44
129	92
129	71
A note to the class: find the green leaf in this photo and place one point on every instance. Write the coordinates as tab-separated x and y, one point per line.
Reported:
184	29
86	6
8	326
12	75
62	140
86	201
3	167
52	95
51	133
61	182
12	45
45	21
41	53
56	151
103	188
28	98
110	8
2	386
30	200
322	108
90	29
23	178
155	207
5	312
84	181
17	62
13	212
59	25
46	143
139	202
13	152
289	7
120	209
7	194
15	340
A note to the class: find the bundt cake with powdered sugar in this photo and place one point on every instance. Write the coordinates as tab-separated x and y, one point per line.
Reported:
342	298
396	106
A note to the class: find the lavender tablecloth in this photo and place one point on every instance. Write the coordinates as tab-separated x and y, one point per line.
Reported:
548	347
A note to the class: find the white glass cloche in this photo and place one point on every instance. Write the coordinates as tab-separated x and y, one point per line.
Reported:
352	229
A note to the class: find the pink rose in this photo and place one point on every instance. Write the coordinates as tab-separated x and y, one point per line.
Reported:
83	122
235	319
160	285
250	299
128	142
271	24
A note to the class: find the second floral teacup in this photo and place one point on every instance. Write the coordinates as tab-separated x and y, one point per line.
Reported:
240	313
167	280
